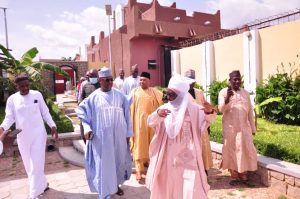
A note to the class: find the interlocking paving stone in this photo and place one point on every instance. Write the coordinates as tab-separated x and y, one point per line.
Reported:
70	183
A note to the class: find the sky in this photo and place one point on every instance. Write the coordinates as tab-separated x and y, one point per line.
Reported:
62	28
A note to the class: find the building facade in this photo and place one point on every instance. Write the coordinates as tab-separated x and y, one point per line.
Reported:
144	34
57	83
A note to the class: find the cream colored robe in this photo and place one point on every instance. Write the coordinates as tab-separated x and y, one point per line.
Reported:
238	152
144	102
176	169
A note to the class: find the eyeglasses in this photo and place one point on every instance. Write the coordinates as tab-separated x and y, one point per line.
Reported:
109	80
171	94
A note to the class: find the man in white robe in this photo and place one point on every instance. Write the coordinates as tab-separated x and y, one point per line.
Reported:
132	81
119	81
28	110
105	117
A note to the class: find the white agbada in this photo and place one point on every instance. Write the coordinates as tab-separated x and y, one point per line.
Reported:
130	83
118	83
28	112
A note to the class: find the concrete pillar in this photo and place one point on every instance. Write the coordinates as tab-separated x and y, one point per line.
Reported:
208	66
251	61
175	62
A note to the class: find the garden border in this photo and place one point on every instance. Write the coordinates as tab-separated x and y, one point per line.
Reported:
280	175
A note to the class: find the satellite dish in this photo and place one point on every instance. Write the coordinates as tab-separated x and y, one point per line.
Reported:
1	147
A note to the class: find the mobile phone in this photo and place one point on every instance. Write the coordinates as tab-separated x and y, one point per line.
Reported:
14	132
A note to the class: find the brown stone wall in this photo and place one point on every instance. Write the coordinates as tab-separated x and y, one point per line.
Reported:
48	77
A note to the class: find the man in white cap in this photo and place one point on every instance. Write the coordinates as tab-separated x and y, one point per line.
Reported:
176	167
132	81
28	110
105	117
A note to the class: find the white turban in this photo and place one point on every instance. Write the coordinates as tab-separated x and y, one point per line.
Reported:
178	106
178	85
105	72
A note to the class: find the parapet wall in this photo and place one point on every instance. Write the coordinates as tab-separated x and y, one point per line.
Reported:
280	175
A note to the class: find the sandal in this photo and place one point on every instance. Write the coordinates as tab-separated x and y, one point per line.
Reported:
234	182
247	183
47	188
120	192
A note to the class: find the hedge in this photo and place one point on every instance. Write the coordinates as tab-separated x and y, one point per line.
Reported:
62	122
273	140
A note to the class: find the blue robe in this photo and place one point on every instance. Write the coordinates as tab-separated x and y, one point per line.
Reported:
108	161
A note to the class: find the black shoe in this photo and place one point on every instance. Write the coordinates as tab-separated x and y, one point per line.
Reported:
234	182
47	188
120	192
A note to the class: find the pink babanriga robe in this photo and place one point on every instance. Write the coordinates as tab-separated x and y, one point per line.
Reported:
176	168
238	151
205	140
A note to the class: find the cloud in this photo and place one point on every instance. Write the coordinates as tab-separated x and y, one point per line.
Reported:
69	32
235	13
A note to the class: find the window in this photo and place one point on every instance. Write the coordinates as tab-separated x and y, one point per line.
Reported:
152	64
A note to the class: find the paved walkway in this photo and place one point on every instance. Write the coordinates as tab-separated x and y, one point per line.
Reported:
69	182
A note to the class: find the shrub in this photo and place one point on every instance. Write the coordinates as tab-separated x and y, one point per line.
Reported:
2	113
214	89
273	140
62	122
198	86
279	98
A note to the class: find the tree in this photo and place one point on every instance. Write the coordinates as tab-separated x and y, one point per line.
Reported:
27	66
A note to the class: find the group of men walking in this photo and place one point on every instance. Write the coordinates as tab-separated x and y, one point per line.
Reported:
124	121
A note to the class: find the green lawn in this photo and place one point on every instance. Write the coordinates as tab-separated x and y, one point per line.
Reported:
274	140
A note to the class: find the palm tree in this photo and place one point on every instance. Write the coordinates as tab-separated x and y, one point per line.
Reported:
27	66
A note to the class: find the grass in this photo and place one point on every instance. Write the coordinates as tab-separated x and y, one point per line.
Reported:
274	140
282	197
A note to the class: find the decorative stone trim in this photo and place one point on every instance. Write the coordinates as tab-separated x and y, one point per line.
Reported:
64	139
280	175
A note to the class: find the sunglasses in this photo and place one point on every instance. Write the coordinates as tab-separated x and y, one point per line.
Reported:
171	94
109	80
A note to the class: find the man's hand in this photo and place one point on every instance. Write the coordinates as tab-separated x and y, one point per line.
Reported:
163	112
1	131
229	94
88	135
54	133
2	134
208	108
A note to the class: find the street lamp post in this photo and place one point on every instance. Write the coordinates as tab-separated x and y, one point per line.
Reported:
109	13
5	24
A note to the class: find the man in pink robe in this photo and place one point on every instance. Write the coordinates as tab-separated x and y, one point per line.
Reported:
176	169
238	153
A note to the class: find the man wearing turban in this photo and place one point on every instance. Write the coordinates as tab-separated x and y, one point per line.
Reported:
176	167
